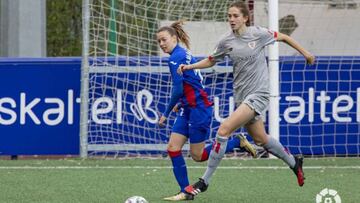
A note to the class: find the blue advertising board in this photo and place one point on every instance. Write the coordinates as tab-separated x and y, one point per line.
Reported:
38	109
320	106
39	104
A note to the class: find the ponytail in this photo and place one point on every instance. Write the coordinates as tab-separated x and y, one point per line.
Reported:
181	34
177	29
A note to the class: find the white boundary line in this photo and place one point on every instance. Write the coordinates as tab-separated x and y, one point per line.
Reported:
151	69
165	167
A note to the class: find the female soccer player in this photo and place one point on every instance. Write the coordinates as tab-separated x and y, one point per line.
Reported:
194	116
245	47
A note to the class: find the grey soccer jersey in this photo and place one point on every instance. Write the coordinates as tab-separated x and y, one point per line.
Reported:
250	72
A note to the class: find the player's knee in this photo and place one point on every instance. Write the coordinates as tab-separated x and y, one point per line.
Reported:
173	148
196	157
260	140
224	130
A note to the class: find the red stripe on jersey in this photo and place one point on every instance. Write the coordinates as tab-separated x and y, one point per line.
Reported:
173	154
190	94
204	96
273	33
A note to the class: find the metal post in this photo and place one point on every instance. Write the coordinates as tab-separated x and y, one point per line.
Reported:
112	44
84	82
274	72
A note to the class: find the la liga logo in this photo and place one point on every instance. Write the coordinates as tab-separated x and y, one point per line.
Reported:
328	196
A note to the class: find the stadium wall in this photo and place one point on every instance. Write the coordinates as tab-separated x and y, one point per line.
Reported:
314	25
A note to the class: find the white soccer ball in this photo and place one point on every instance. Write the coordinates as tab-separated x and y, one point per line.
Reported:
136	199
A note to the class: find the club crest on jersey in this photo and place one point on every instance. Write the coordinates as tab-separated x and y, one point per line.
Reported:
252	45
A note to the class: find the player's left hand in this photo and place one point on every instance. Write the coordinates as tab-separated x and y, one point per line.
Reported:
162	121
176	108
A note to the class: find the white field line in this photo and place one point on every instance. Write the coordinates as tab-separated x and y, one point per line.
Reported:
165	167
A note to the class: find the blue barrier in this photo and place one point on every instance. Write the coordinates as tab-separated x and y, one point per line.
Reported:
39	114
39	104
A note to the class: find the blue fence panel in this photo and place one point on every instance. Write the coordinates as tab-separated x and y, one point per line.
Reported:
39	104
39	113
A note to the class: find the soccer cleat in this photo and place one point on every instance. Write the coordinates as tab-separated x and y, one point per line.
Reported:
244	143
197	187
181	196
298	170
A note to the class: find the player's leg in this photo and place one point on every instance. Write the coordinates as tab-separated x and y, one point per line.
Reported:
177	140
175	145
199	131
237	119
199	152
256	130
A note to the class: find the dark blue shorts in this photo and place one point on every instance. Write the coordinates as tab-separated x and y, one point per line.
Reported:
194	123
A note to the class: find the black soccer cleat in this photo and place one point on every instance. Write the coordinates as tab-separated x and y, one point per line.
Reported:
298	170
197	187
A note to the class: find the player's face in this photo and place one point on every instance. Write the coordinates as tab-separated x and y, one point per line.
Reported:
236	19
166	41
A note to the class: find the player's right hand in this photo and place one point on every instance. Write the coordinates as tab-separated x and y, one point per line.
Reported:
162	121
182	68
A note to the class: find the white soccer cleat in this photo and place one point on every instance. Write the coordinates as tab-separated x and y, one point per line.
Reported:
181	196
244	143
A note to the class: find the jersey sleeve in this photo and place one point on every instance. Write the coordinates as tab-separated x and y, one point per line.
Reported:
177	80
219	52
176	94
266	36
174	63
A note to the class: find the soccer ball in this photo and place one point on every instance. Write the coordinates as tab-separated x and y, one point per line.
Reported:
136	199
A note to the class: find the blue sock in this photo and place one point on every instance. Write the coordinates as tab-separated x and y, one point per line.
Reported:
179	169
233	143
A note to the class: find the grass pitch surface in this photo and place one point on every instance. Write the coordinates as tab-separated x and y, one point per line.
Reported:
236	180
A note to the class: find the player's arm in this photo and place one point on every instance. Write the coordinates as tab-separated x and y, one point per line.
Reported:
177	89
176	94
205	63
219	54
310	59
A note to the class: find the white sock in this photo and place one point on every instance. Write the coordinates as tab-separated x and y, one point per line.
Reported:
216	155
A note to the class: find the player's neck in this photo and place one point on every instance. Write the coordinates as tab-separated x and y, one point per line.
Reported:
240	31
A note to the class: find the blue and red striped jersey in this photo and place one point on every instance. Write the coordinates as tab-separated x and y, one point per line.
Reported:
193	92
